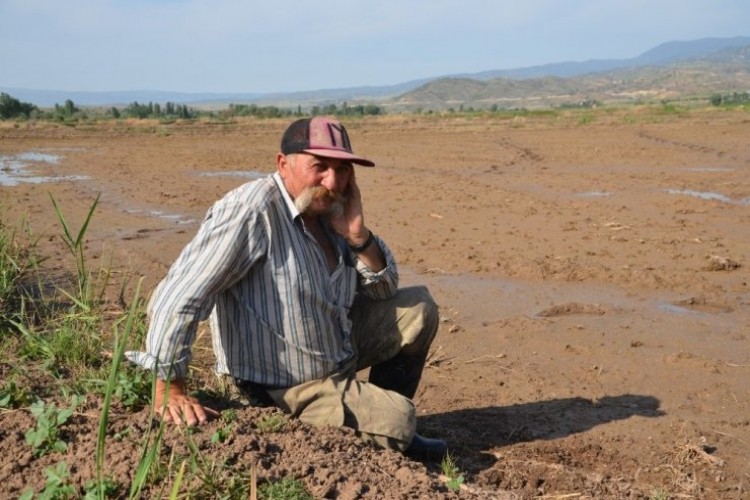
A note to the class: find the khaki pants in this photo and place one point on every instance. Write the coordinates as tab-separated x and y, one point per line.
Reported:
404	324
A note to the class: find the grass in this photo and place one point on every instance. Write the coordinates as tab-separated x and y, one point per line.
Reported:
275	422
287	488
16	262
659	494
453	475
228	417
70	345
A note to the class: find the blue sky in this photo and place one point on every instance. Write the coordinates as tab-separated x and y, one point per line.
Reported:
270	46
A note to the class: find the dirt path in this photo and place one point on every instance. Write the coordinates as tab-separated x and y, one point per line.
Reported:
592	280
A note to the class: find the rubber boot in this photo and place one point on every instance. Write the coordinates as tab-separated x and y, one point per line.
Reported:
427	448
400	374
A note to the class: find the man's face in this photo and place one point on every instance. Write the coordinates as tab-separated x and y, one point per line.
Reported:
317	185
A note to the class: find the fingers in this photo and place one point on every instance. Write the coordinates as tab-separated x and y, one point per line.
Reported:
187	412
179	408
353	187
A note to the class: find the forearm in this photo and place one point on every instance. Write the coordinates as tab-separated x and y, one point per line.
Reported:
368	251
380	282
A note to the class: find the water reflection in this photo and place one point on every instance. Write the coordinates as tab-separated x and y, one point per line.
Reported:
235	173
159	214
710	169
594	194
708	195
15	169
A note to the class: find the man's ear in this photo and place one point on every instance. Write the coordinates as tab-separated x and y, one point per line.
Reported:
282	164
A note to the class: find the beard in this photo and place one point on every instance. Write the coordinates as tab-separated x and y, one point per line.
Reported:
310	194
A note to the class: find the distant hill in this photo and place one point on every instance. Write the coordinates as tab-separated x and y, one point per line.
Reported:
725	71
646	75
664	54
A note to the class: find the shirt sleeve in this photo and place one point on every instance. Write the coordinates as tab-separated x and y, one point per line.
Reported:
230	240
382	284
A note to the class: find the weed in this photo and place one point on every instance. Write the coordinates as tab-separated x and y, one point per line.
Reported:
69	340
659	494
221	434
10	270
119	436
451	471
14	396
150	468
65	343
15	263
229	415
85	298
56	487
133	388
45	437
216	479
284	489
271	423
106	488
149	454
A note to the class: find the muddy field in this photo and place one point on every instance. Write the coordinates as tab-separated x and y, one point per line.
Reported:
592	276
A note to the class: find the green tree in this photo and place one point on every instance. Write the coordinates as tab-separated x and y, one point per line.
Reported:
70	108
10	107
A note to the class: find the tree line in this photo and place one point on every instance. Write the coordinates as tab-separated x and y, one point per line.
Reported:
12	108
730	99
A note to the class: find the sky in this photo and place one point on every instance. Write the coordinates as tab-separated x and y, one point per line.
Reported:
290	45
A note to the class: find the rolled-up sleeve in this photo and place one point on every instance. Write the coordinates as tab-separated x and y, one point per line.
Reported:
382	284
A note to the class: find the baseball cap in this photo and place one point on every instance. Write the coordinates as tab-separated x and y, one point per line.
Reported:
320	136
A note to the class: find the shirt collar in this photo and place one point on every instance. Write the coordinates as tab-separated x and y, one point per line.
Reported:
285	196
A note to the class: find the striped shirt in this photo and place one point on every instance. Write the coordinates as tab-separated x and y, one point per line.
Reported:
278	316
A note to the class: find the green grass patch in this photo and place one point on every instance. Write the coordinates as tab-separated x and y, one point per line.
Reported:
453	475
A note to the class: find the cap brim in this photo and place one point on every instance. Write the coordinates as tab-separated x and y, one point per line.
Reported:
340	155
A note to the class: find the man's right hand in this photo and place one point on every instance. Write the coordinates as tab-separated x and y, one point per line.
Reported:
180	408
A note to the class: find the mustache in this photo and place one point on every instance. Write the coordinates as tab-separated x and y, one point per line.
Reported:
310	194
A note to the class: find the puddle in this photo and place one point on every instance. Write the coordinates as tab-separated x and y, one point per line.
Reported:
673	309
710	169
594	194
159	214
708	195
32	156
177	218
15	169
489	299
235	173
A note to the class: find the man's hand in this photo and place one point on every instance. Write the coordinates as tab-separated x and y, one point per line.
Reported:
351	225
351	222
180	408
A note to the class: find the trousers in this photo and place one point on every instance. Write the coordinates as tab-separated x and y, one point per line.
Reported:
392	338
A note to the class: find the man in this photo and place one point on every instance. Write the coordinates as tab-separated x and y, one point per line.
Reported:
301	295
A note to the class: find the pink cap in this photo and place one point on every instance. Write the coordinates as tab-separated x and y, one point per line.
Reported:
320	136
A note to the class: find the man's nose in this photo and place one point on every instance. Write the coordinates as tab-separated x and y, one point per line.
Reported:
330	180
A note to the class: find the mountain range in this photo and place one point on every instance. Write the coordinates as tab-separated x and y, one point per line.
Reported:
673	70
